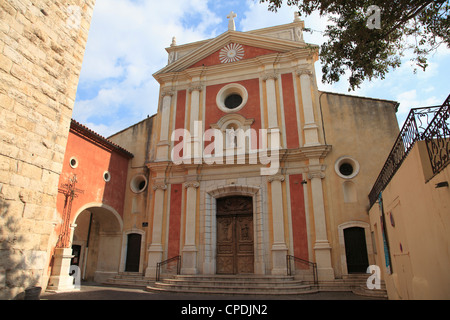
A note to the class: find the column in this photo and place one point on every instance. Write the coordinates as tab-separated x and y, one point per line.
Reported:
162	152
322	247
279	248
189	265
310	127
194	129
155	250
272	113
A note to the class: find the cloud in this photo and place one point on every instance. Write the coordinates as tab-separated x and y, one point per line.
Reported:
126	45
127	42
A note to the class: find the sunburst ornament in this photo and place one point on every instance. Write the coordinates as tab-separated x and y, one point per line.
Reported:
231	53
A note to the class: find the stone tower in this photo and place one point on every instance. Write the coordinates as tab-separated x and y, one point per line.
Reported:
42	45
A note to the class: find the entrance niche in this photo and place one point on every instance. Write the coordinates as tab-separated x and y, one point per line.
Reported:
356	250
235	240
133	252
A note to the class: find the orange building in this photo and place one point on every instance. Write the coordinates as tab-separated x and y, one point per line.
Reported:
91	190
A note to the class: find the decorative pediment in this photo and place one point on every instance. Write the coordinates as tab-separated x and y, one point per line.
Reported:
230	47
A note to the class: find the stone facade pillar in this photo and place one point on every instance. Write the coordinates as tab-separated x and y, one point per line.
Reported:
163	144
271	95
189	265
322	246
155	250
310	128
279	248
195	131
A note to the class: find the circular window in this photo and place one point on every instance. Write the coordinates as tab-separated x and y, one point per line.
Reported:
346	167
233	101
106	176
232	97
138	183
73	162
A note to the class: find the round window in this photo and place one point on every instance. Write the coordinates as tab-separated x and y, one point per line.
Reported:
73	162
346	167
106	176
233	101
138	183
232	97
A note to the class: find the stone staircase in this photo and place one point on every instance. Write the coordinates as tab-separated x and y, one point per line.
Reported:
129	280
356	283
233	284
245	285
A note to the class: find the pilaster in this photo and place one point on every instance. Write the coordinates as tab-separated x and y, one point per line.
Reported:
155	250
310	128
189	265
322	246
162	149
279	248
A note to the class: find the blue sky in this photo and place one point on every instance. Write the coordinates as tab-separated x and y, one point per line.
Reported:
127	42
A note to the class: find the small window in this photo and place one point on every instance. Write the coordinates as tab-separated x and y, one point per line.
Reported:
232	97
73	162
346	167
138	183
233	101
106	176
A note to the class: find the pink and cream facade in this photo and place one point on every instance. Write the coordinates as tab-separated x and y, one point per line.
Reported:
243	170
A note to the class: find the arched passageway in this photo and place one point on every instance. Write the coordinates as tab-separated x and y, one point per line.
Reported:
97	240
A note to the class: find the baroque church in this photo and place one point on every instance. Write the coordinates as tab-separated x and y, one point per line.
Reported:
245	166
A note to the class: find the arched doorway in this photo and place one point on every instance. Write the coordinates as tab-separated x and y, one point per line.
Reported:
356	250
98	237
235	240
133	259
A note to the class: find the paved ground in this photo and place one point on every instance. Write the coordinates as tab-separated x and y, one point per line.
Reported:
98	292
193	306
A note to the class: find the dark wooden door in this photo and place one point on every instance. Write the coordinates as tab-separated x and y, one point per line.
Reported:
133	252
356	250
235	236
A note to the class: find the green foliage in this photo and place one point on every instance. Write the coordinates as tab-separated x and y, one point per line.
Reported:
420	26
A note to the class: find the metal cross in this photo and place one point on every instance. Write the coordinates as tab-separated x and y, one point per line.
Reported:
70	192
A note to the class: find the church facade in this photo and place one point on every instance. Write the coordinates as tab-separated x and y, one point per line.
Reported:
245	165
246	162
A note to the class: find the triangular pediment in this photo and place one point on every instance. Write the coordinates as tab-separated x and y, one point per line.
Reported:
239	46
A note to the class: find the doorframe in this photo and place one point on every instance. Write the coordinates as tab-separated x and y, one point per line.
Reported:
368	237
235	233
123	254
210	225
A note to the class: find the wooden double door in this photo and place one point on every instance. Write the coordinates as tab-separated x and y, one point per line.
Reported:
235	244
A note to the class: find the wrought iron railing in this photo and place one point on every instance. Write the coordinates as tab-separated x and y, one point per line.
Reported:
437	138
290	258
165	262
417	122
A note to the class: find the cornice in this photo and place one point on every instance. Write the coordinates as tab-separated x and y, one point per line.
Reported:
249	68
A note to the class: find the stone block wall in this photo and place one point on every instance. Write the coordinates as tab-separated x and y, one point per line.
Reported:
42	44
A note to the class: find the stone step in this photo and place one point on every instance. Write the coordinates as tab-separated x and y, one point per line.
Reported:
234	284
131	280
213	283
